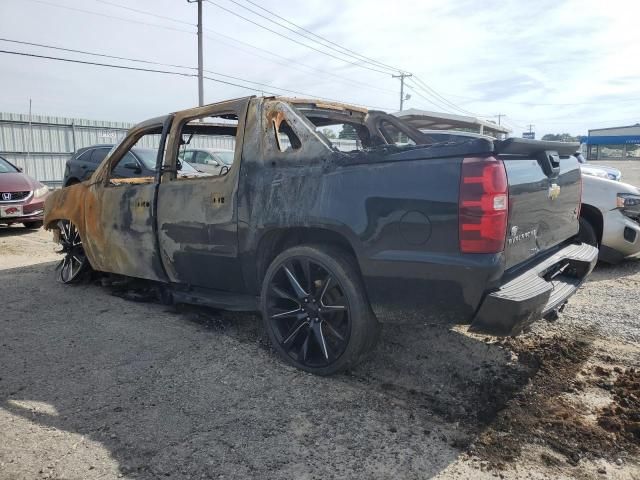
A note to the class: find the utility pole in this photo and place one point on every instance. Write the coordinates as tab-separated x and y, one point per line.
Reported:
200	73
500	115
531	127
30	143
402	76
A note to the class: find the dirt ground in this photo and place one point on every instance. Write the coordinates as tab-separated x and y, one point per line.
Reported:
93	385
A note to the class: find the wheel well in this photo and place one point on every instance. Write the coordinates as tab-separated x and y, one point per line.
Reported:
277	241
592	215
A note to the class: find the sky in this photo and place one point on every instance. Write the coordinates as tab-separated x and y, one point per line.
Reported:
563	66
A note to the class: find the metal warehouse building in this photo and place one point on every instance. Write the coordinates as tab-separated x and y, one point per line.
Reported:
617	143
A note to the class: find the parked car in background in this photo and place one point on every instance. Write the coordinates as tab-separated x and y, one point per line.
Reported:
601	171
610	217
139	162
83	163
21	197
327	243
209	160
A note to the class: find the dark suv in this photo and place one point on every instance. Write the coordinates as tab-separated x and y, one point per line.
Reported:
139	162
83	163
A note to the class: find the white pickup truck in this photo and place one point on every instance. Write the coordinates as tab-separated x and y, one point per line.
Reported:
610	217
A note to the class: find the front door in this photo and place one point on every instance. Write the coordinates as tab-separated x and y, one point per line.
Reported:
197	213
120	207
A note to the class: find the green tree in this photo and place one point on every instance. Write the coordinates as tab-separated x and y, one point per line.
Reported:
329	133
561	137
348	131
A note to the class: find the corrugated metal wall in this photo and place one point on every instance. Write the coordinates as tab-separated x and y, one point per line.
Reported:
41	147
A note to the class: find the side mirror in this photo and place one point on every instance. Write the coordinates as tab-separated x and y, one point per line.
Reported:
133	166
20	169
178	165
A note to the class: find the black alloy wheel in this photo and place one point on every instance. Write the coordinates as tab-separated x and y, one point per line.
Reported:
315	311
74	263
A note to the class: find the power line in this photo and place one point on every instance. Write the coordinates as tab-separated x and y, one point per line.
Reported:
182	74
110	65
430	100
294	40
349	54
139	22
287	62
248	20
421	83
323	38
145	12
85	52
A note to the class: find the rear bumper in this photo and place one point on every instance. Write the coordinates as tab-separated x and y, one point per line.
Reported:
533	293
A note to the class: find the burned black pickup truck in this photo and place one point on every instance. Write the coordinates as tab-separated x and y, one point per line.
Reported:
329	236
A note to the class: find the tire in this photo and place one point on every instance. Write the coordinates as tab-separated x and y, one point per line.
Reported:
33	225
75	264
315	309
586	233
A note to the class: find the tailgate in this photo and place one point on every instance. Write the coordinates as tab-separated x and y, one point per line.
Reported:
544	196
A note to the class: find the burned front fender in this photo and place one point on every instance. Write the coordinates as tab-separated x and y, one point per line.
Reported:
66	204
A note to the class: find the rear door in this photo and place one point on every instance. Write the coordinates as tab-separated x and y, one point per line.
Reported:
197	215
544	198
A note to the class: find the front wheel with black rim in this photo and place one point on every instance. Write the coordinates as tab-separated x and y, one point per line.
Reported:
74	263
315	309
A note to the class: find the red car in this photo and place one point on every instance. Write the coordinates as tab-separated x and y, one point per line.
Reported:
21	197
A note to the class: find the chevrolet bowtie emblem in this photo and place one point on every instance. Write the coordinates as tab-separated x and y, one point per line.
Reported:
554	191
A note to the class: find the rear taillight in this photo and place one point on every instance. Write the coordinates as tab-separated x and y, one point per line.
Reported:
483	205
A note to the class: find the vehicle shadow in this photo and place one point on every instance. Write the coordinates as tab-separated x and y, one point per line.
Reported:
6	231
626	268
198	394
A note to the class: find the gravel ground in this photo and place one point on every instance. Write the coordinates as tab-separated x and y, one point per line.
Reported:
96	386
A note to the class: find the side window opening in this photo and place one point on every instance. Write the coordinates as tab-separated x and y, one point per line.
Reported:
286	138
343	136
138	164
393	135
207	146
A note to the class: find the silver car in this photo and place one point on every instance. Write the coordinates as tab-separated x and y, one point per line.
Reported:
216	161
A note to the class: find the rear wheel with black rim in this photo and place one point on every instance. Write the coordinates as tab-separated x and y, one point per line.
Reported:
315	309
74	264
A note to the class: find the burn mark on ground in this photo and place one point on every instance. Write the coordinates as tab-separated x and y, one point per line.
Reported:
545	413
